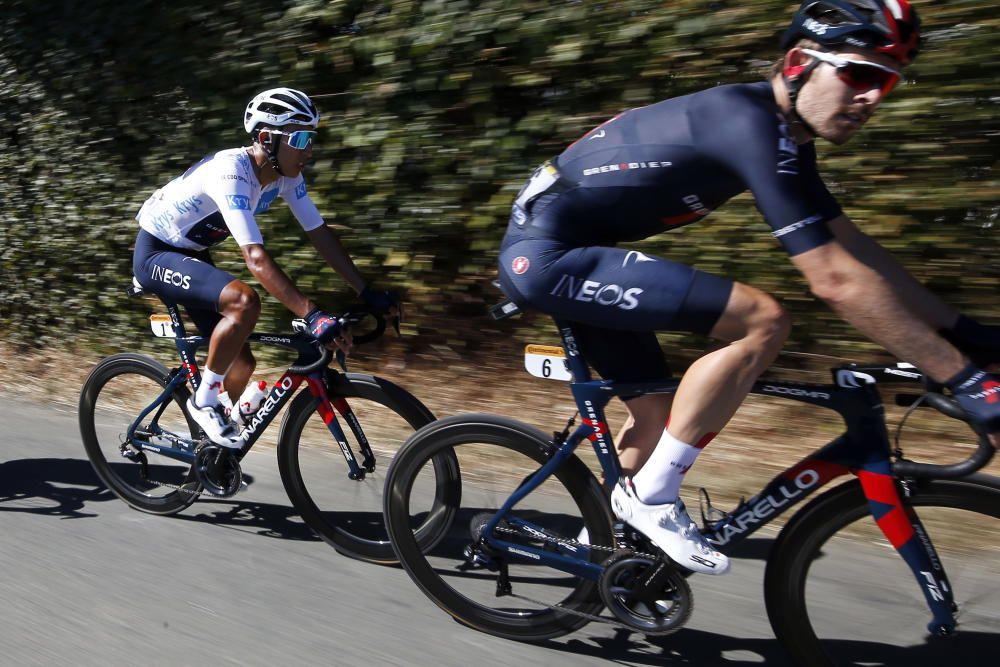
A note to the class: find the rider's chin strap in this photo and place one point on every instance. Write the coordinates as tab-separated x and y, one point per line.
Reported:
272	155
795	77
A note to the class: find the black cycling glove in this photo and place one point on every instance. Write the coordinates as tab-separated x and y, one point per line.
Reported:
978	394
323	326
380	301
981	342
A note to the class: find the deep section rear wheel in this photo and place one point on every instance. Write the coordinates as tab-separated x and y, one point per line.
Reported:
347	513
117	390
839	594
496	456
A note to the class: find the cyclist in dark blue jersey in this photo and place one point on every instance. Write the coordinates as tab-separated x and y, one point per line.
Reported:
218	197
672	163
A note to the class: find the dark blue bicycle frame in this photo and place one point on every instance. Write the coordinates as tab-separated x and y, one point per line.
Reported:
864	449
279	395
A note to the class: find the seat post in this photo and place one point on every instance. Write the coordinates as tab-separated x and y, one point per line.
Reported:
577	366
177	324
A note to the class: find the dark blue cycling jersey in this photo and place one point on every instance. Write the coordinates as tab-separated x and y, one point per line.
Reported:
645	171
672	163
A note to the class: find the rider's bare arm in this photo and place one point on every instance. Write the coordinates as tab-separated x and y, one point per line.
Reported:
865	286
918	299
274	280
332	250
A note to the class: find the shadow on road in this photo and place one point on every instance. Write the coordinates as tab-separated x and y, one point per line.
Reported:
67	488
50	487
707	649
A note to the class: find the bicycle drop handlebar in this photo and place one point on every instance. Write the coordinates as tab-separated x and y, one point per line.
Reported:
350	318
984	449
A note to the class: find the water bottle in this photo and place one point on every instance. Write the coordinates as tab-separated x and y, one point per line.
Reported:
251	399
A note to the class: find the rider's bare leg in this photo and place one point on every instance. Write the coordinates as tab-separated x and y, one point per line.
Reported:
646	420
711	390
239	306
240	372
715	385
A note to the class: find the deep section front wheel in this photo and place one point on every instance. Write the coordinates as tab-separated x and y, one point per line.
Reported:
347	512
839	594
117	390
461	574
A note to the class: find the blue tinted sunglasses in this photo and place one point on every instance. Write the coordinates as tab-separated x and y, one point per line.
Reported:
300	139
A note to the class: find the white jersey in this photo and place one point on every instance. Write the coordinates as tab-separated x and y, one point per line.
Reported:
220	196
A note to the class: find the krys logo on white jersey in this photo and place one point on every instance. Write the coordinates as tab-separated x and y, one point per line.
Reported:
581	289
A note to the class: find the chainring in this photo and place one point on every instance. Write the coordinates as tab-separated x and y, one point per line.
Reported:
218	470
650	596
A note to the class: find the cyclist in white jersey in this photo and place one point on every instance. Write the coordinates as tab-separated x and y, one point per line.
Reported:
218	197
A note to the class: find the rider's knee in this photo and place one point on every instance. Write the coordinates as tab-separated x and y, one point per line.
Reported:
242	303
770	321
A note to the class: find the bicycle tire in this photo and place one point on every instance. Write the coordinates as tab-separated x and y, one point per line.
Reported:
519	441
818	527
121	477
392	414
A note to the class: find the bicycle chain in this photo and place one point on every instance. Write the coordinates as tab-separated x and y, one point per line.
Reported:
574	612
167	485
176	487
565	541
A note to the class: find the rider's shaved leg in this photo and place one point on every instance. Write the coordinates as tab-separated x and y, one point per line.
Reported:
239	306
647	416
711	390
240	372
715	385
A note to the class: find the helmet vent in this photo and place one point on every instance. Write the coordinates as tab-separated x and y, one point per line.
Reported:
831	16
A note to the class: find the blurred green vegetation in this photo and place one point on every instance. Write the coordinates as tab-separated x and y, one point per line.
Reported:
434	113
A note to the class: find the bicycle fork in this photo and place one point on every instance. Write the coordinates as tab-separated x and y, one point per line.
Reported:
902	527
325	408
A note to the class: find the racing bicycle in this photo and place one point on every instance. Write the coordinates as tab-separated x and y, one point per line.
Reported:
531	550
147	449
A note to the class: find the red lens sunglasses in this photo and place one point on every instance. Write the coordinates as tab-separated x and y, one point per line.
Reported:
860	74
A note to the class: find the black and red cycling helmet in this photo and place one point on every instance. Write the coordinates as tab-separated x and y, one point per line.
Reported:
887	26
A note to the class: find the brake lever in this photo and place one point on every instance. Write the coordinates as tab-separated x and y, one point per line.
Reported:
341	359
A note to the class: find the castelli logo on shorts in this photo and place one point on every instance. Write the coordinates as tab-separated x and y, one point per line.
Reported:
520	265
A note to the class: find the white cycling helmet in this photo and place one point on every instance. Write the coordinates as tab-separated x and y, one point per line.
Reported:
280	106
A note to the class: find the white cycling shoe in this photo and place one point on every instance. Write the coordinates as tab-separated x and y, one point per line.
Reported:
219	428
670	528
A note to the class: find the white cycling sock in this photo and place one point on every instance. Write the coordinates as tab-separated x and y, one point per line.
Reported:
207	395
659	480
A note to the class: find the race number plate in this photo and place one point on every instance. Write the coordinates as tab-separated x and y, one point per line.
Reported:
547	361
161	325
